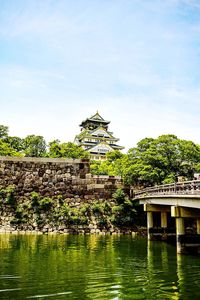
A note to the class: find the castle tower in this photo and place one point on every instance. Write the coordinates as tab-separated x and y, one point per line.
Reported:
95	137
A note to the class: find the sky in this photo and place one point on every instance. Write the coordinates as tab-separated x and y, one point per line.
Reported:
135	61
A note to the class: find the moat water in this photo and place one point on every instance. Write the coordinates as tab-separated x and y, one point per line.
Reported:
94	267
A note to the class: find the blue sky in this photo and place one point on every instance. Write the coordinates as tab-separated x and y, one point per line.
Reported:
135	61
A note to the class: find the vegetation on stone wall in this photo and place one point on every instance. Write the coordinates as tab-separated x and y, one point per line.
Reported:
35	212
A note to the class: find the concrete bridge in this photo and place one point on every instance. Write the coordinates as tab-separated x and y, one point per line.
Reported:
173	214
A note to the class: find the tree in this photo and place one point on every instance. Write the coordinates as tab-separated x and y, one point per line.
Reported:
7	150
113	155
68	150
112	166
34	146
3	132
16	143
54	149
152	161
161	160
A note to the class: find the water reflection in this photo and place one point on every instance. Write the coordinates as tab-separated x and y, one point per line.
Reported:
176	276
94	267
188	271
162	270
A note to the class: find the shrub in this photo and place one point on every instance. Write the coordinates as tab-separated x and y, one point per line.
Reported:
15	221
65	209
119	196
85	209
78	220
107	207
117	209
39	221
102	222
60	199
7	195
97	207
45	203
2	192
34	199
57	214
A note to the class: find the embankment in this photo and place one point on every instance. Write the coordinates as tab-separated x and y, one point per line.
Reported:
57	195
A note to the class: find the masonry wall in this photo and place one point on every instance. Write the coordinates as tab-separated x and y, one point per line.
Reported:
33	189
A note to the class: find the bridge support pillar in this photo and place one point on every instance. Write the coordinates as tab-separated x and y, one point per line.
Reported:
180	232
198	226
163	219
157	229
186	242
149	224
164	225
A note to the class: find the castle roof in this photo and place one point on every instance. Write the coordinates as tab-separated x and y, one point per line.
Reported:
100	148
95	119
97	133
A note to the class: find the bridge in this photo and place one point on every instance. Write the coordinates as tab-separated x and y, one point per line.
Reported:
173	213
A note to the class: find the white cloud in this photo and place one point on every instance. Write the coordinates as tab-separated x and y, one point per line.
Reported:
135	61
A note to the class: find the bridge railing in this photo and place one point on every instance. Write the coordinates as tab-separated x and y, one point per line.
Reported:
186	187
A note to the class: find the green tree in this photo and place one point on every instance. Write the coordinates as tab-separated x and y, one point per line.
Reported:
34	146
16	143
7	150
161	160
68	150
3	132
152	161
113	155
54	149
112	166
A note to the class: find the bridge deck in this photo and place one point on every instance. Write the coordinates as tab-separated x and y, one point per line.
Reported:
181	189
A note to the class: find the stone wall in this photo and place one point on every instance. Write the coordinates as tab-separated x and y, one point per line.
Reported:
34	192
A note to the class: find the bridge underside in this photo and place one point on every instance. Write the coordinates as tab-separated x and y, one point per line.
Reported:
174	218
192	201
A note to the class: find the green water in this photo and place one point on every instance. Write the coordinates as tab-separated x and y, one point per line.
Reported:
94	267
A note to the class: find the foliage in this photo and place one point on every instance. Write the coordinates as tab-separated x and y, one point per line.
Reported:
34	146
16	143
7	195
40	203
96	207
106	207
3	132
45	203
103	221
21	214
76	217
40	221
65	209
153	161
111	166
114	155
35	199
161	160
7	150
119	196
68	150
124	212
85	209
